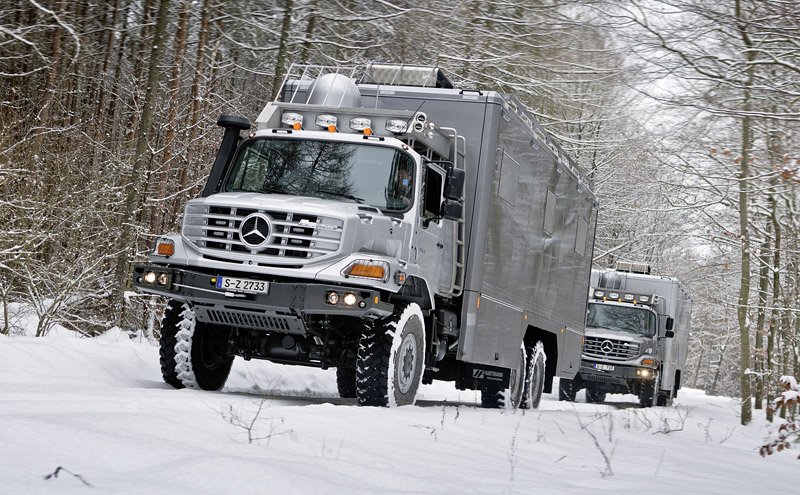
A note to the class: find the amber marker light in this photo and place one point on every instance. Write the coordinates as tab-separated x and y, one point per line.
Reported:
367	271
165	247
331	128
648	362
367	131
297	126
371	269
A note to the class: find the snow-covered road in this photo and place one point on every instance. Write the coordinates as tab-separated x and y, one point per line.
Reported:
98	408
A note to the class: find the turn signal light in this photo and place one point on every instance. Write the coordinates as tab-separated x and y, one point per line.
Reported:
367	271
648	362
165	247
376	270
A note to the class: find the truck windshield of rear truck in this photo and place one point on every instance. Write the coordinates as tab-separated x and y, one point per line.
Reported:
630	319
376	175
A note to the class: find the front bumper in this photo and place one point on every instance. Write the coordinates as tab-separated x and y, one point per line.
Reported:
284	308
621	375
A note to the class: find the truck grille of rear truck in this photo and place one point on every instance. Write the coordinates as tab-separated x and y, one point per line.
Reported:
621	350
296	238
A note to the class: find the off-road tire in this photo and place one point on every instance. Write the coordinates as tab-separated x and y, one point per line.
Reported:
567	389
391	359
646	394
346	382
594	396
192	354
536	361
511	397
664	400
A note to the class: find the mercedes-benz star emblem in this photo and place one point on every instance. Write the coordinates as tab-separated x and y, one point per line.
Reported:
606	346
254	231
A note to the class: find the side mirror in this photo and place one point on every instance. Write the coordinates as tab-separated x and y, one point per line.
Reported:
669	334
451	210
454	184
670	323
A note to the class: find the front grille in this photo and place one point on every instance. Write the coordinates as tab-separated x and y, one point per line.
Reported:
293	236
620	350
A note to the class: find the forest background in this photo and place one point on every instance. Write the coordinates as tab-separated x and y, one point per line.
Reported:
684	114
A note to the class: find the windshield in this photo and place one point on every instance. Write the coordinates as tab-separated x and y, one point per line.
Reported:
625	318
376	175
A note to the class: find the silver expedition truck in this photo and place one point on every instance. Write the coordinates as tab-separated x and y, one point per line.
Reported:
637	335
378	220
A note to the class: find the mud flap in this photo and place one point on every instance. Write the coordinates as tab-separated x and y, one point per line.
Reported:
482	377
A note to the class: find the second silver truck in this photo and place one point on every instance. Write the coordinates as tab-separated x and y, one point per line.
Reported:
637	334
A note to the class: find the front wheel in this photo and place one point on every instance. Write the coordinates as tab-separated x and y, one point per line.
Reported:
391	359
346	382
594	396
567	389
192	354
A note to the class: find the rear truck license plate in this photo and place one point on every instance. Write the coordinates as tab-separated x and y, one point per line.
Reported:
604	367
242	285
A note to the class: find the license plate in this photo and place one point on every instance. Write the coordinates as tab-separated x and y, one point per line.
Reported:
242	285
604	367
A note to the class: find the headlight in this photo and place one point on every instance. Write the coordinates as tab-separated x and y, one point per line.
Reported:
350	299
332	297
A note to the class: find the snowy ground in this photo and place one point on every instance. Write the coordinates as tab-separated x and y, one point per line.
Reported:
98	408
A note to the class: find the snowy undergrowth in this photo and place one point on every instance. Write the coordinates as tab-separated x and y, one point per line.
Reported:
98	408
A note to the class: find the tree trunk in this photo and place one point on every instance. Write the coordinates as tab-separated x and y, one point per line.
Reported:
127	241
157	209
776	297
196	105
744	177
280	60
763	288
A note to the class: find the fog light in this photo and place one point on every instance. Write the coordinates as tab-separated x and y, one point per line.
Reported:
149	277
163	278
349	299
332	297
643	373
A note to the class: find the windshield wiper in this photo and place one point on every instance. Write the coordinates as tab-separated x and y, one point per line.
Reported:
348	196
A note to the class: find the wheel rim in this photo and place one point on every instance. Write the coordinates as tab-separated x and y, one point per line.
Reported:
406	363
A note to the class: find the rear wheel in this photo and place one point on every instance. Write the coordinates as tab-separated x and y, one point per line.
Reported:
391	359
192	354
494	397
526	382
534	378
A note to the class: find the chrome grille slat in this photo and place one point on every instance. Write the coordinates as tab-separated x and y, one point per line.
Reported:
621	350
215	231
